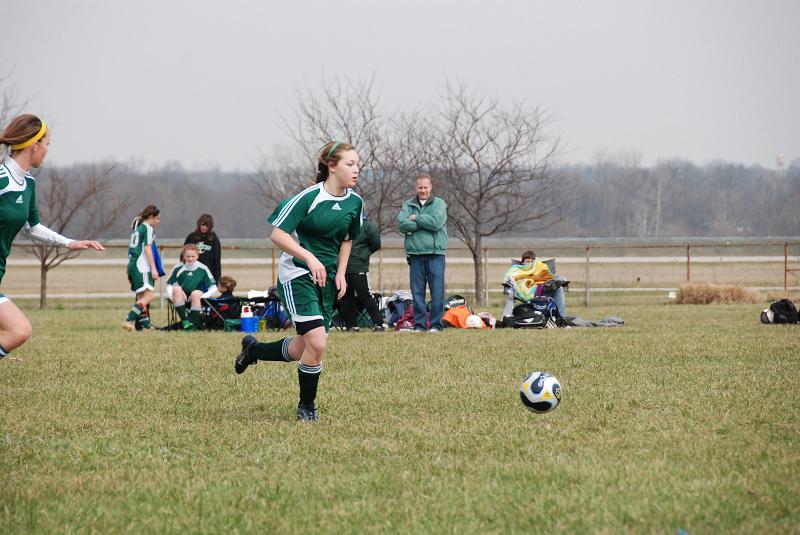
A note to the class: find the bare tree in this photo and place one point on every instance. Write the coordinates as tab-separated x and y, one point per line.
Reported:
494	166
344	110
84	206
668	176
278	177
10	104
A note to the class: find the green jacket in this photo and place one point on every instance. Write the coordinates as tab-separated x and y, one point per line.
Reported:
367	243
428	233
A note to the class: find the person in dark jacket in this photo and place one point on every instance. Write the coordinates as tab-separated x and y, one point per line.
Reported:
359	295
208	244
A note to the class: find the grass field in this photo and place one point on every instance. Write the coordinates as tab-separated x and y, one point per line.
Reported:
688	417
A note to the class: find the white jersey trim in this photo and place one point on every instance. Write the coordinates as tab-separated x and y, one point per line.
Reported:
290	306
286	210
141	263
323	196
287	269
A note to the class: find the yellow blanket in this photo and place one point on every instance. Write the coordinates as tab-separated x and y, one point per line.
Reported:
527	279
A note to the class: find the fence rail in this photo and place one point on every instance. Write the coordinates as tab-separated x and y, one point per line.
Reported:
694	254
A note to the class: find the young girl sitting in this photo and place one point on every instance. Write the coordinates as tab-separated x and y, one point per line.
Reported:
226	286
191	281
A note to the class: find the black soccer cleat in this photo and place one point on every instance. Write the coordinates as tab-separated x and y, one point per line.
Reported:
307	414
243	360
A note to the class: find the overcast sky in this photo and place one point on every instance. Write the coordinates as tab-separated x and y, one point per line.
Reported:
203	82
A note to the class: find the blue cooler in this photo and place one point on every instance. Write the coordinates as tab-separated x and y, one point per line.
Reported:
249	325
249	321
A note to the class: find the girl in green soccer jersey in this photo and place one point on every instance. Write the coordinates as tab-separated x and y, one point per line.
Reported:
326	218
187	282
28	138
142	271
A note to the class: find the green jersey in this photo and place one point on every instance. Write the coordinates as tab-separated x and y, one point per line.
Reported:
141	238
191	278
17	207
321	222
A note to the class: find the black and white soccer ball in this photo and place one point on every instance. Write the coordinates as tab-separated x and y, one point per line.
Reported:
540	392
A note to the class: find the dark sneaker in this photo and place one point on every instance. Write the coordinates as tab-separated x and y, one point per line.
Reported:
243	360
307	414
379	328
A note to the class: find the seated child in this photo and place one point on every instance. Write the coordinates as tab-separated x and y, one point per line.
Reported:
225	306
226	285
190	280
530	278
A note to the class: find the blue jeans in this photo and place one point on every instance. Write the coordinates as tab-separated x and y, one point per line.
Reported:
427	268
558	295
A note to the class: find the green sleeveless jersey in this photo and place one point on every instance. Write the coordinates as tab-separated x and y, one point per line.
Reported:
321	222
141	238
17	207
191	279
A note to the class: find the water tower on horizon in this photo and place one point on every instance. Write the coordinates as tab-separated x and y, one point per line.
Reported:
780	161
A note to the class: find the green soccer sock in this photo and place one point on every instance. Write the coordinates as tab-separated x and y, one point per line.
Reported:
134	312
180	308
144	321
275	351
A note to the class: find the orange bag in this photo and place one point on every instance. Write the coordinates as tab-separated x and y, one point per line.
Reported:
456	316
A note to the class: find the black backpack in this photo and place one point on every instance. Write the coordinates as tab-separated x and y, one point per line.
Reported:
456	300
540	313
782	311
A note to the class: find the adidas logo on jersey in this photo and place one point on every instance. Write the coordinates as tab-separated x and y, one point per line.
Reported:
19	199
336	207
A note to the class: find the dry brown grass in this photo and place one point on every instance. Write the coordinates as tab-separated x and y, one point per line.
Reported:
780	294
710	294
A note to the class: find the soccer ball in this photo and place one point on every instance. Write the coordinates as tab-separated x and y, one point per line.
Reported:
473	322
540	392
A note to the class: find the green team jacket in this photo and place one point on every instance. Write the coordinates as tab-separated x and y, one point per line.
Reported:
367	243
428	233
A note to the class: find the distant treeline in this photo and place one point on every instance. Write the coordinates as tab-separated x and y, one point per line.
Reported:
611	197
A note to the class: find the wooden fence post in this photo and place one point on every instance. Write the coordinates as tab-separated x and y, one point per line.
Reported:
160	280
688	262
380	271
786	268
586	288
274	280
485	276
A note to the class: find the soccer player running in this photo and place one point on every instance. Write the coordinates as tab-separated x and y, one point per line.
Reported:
142	270
326	218
28	138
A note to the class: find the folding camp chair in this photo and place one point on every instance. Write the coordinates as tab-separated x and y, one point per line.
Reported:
222	313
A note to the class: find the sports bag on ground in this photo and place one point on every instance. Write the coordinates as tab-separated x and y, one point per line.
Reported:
782	311
540	313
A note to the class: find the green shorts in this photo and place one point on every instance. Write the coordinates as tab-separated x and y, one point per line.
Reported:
139	281
305	301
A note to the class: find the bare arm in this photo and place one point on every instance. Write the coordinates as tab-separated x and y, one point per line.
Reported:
284	241
341	267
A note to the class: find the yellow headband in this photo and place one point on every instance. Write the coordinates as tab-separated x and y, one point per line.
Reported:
32	140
